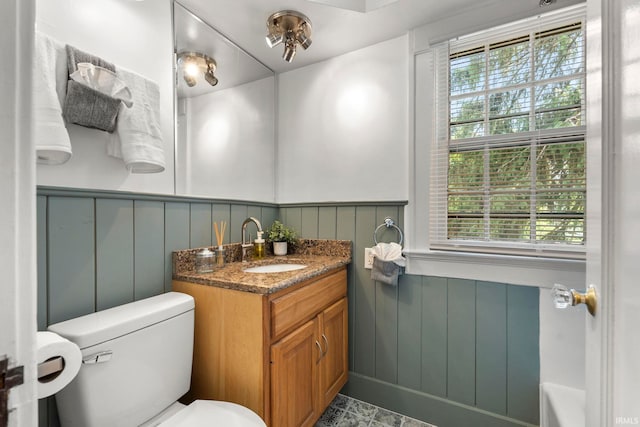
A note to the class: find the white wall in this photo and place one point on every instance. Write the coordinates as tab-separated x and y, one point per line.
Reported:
227	143
343	127
133	35
482	16
562	343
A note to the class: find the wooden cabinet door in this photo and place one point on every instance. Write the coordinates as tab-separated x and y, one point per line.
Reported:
294	378
334	366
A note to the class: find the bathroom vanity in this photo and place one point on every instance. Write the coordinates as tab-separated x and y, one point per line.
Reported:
273	342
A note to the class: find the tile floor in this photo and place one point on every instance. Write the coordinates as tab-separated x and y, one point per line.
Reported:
345	411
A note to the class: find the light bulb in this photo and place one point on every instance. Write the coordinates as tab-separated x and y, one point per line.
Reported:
289	53
191	81
289	49
210	78
191	68
274	39
304	41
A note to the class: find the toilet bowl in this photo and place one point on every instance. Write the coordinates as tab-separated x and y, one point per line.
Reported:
136	365
211	413
205	413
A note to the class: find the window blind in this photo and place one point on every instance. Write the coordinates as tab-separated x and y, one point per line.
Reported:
508	163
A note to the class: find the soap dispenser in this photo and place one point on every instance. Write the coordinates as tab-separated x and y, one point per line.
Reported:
258	246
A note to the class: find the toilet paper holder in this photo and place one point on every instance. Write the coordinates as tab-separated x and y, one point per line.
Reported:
50	369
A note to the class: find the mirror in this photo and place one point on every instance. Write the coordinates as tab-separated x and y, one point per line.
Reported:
225	134
132	35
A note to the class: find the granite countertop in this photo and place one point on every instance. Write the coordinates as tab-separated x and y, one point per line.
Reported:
319	256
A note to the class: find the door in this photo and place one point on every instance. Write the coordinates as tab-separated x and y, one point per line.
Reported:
294	378
17	211
334	365
613	215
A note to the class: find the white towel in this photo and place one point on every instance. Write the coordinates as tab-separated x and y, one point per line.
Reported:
53	146
138	139
103	80
389	252
387	261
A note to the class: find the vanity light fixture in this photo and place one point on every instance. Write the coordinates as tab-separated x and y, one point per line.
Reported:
291	28
194	64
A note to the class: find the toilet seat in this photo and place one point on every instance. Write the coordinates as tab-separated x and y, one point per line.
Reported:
213	413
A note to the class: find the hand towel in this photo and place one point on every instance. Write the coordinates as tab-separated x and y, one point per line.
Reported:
90	108
102	80
385	271
53	146
389	252
76	56
84	105
387	261
138	139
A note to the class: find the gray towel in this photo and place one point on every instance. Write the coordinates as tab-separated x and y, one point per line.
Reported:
88	107
74	56
385	271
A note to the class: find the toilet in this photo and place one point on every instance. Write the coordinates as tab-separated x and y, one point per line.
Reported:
136	364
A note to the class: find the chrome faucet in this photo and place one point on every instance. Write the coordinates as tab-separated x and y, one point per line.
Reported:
246	245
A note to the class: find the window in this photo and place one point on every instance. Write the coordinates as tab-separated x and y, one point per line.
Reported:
508	164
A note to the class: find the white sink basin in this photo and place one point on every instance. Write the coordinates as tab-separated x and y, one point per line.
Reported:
274	268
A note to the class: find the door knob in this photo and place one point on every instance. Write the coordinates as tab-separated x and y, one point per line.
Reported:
564	297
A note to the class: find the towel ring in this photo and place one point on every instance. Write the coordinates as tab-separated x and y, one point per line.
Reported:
388	222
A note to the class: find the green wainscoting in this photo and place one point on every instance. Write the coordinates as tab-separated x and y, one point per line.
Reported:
99	249
452	352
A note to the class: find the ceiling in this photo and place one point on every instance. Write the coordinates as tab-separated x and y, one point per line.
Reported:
234	66
336	30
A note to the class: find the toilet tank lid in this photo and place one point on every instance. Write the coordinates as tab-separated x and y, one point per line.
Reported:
105	325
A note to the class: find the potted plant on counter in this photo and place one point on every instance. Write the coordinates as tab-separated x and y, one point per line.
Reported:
280	235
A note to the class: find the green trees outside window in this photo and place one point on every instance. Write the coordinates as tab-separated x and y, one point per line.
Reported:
516	151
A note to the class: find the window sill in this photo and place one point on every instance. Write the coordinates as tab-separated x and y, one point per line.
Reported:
516	270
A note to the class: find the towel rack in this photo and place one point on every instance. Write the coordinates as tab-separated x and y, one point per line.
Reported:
389	223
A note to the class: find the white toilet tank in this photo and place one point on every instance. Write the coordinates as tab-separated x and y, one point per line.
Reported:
136	362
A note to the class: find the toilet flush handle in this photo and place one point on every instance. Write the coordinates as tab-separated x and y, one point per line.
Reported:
564	297
101	357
